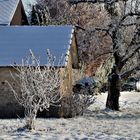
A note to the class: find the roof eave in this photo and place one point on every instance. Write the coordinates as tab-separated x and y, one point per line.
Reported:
70	43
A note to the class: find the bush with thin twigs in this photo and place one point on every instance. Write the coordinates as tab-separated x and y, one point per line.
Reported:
40	89
40	86
81	97
76	104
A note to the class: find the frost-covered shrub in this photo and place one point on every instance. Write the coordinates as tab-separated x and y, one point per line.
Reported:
39	86
76	103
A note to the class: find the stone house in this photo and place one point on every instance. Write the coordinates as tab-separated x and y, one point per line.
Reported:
15	43
12	13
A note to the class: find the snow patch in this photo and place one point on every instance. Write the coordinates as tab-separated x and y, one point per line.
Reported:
96	123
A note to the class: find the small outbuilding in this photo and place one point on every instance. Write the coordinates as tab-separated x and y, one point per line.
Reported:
15	43
12	13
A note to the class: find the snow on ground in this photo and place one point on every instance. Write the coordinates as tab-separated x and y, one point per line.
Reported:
96	124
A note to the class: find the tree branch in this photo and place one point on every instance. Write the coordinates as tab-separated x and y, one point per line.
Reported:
128	25
131	55
131	14
100	29
102	54
129	72
80	27
94	29
93	1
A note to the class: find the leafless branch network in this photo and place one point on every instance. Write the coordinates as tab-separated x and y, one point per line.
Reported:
39	85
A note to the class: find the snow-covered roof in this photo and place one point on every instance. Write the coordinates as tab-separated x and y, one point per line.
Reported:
7	10
16	41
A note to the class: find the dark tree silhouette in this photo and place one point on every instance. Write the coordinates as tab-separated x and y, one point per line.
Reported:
123	28
124	16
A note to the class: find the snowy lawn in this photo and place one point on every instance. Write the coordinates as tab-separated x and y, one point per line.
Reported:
96	123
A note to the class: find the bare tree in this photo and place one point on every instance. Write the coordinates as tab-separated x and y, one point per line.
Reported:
50	12
124	17
39	86
90	44
122	28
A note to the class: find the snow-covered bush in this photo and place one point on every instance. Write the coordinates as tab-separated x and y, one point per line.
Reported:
75	104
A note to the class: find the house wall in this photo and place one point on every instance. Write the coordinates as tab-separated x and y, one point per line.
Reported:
9	107
74	53
72	62
66	78
17	18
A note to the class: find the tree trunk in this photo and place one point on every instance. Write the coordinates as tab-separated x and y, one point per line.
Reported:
30	118
30	124
113	91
